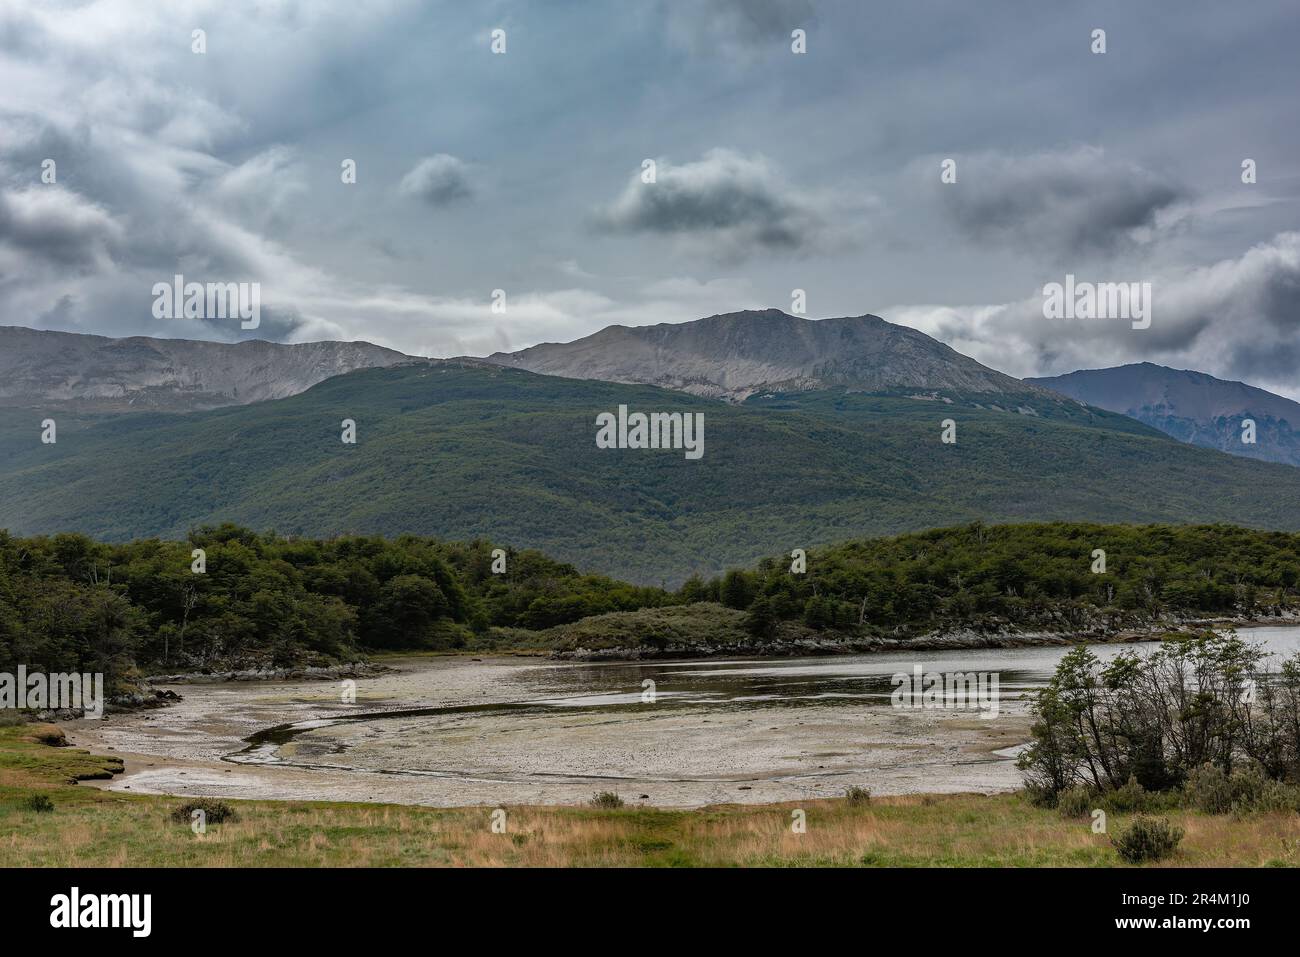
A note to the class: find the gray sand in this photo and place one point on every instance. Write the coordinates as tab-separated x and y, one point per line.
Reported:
679	756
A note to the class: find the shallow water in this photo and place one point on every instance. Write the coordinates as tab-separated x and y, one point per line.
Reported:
711	722
853	679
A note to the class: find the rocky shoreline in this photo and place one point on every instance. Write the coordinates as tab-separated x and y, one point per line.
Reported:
955	639
355	669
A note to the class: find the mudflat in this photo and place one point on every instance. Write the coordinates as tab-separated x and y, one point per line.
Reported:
456	731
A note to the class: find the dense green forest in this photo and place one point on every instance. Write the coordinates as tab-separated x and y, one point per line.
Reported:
1032	575
68	602
464	451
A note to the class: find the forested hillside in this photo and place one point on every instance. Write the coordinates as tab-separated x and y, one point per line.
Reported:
1032	575
460	451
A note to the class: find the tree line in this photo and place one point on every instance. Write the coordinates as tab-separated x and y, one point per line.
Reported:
68	602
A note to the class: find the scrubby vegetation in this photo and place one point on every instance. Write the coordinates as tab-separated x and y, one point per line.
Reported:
39	804
118	829
678	629
1147	839
214	811
857	796
1210	722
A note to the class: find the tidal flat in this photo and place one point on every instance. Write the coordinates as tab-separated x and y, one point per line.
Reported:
454	731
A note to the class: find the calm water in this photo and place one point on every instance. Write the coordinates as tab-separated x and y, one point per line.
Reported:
615	689
855	679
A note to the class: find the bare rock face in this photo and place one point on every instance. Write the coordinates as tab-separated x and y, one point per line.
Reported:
1192	406
95	373
738	354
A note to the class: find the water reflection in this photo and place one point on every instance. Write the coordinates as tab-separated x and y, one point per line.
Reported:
735	685
851	679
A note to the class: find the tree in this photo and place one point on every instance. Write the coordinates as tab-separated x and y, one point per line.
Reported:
760	620
408	606
735	591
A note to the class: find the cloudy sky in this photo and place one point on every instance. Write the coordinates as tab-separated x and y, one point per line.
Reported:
775	171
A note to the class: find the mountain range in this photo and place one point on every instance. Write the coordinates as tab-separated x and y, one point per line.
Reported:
739	354
732	357
1191	406
839	436
95	373
462	450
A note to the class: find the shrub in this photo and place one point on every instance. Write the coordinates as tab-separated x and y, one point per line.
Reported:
1075	802
1040	794
1275	796
50	734
1128	798
215	812
1247	790
1103	723
858	797
606	800
1208	790
1147	839
40	803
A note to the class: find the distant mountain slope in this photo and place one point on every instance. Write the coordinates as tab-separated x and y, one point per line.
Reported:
95	373
1191	406
459	450
738	354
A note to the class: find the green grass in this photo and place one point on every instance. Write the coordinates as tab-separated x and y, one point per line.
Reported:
97	828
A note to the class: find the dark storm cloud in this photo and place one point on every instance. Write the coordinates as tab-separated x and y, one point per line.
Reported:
740	204
438	180
1266	346
53	226
749	22
226	166
278	325
1075	201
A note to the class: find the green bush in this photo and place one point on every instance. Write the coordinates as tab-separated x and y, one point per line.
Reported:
1129	798
858	797
215	812
1041	794
1246	791
1147	839
1208	790
606	800
1277	796
40	803
1077	801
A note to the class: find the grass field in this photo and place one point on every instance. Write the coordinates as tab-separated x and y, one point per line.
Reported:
89	827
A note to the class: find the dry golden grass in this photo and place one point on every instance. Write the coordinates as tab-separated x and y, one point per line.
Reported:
89	827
